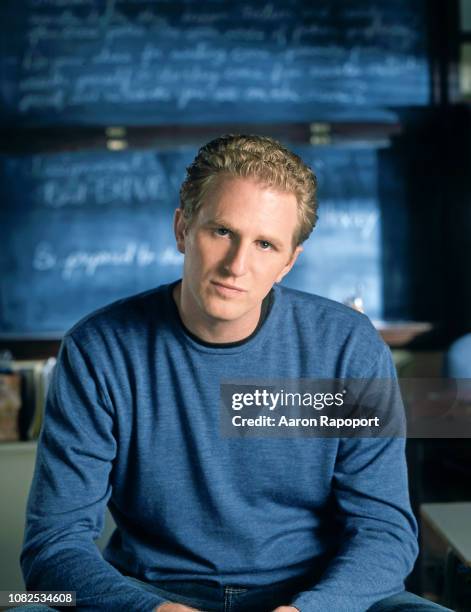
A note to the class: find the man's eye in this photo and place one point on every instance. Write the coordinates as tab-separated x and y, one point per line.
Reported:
222	231
265	245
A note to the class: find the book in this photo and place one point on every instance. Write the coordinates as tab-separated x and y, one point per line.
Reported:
35	377
10	405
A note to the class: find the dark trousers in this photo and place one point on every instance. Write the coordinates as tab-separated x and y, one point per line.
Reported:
218	598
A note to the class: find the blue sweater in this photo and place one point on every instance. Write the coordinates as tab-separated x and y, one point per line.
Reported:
132	421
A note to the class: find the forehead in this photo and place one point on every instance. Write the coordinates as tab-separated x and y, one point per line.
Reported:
249	204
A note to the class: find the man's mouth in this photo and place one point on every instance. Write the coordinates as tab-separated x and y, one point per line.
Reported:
227	288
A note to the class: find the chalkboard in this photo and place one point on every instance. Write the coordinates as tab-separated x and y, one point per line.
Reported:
342	259
79	230
82	229
92	62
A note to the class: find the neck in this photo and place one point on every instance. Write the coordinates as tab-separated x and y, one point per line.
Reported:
212	330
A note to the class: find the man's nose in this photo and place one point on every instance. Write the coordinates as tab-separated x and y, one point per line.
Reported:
237	258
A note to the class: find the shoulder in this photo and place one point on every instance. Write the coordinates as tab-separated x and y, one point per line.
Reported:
334	332
121	319
314	310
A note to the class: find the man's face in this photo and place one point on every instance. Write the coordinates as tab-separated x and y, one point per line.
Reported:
238	245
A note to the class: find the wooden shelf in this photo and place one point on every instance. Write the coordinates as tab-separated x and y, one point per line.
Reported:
400	333
395	333
21	140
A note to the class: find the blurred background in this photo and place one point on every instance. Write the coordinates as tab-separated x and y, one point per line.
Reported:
103	104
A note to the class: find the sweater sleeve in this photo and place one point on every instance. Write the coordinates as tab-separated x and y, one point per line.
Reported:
379	544
70	489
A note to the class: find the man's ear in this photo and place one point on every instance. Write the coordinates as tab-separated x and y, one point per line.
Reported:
179	228
290	264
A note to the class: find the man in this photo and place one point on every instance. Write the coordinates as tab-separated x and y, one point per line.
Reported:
204	521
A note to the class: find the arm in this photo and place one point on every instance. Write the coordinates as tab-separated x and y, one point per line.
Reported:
379	543
70	490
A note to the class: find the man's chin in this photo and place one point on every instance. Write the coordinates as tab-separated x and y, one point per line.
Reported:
224	309
225	312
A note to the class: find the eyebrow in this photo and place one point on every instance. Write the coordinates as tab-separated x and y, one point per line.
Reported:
220	222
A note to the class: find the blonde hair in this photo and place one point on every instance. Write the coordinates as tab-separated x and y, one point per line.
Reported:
248	156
